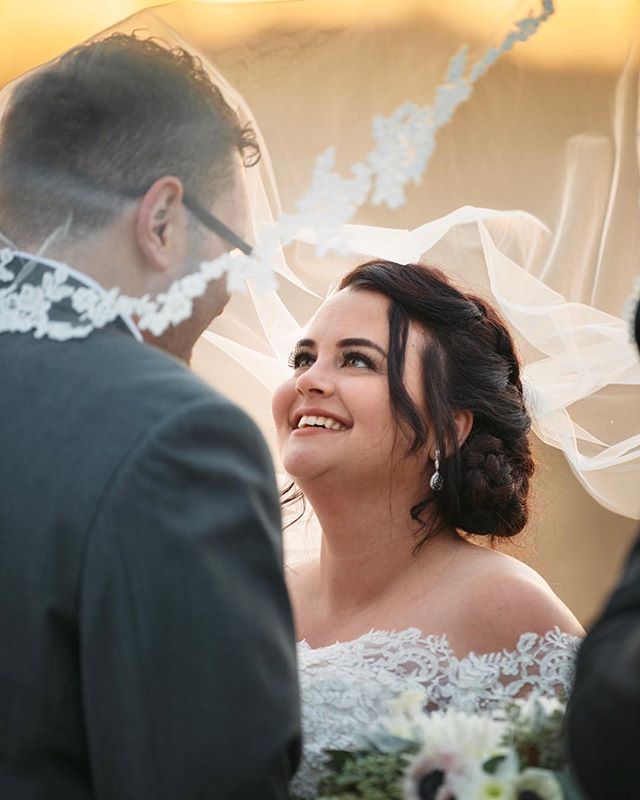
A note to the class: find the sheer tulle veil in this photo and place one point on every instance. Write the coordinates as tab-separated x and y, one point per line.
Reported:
528	195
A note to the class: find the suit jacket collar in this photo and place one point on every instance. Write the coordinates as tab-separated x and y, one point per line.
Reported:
37	266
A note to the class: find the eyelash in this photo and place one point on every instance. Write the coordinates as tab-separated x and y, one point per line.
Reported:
296	357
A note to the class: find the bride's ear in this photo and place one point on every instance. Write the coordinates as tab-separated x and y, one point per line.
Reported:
463	420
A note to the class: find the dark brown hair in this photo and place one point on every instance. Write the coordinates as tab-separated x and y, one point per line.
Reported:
106	118
468	363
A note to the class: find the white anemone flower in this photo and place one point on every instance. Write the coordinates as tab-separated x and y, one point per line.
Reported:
456	745
478	784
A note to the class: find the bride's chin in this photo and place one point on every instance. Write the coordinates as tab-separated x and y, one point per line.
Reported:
307	470
304	477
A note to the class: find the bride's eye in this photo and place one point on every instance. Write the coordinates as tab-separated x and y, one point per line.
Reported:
358	360
301	358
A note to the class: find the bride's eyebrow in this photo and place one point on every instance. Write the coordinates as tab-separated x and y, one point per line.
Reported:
351	342
304	343
357	342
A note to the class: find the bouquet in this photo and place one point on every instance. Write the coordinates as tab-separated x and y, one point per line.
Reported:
515	755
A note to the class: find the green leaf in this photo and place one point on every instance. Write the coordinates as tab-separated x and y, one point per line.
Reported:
491	766
338	759
372	776
388	743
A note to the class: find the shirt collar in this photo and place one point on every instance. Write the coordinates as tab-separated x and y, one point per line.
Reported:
81	277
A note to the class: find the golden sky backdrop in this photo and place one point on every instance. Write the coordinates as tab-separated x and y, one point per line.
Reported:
586	34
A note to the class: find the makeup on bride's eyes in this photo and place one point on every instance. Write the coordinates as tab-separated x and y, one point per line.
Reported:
355	356
297	358
303	357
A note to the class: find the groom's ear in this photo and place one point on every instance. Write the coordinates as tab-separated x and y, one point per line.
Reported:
161	225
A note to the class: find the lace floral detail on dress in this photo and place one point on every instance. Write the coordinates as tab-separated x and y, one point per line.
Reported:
348	686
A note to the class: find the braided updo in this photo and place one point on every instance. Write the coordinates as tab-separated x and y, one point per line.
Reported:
469	363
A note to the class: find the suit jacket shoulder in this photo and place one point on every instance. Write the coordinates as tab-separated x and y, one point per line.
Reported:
72	412
141	581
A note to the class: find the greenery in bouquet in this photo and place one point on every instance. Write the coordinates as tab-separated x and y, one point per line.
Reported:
535	728
515	755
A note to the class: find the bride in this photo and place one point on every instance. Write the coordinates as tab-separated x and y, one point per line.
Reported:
404	425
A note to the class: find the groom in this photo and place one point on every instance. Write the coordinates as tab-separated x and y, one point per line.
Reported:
146	641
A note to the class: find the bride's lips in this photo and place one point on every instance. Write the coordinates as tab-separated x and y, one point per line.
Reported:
313	429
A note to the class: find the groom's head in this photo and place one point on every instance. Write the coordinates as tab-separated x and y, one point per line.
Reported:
123	143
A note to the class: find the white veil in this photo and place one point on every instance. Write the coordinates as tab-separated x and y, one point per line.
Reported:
530	196
541	132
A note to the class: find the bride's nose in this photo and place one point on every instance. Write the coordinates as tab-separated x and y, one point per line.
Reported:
316	380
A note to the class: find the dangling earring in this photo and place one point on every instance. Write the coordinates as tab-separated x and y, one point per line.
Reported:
436	483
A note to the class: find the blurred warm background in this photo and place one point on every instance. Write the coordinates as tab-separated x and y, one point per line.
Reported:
34	31
577	544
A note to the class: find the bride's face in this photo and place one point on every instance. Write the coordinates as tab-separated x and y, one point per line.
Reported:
333	416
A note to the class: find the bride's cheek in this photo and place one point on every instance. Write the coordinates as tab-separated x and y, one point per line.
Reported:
280	404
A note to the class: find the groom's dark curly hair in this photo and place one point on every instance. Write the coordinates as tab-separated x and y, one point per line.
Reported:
106	119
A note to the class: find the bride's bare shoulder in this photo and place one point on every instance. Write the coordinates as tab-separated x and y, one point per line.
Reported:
502	599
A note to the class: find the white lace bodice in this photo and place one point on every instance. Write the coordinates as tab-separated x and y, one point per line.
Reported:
348	686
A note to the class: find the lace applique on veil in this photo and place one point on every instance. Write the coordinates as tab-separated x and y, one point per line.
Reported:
346	687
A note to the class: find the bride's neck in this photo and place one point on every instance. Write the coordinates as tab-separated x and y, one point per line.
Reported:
368	545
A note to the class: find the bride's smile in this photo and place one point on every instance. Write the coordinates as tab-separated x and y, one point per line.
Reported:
333	416
310	420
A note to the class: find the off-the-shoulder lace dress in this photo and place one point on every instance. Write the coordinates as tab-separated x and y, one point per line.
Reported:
348	686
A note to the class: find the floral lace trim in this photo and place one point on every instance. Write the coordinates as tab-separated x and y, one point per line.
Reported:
347	686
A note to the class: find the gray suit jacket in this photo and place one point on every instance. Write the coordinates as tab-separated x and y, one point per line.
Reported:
146	641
